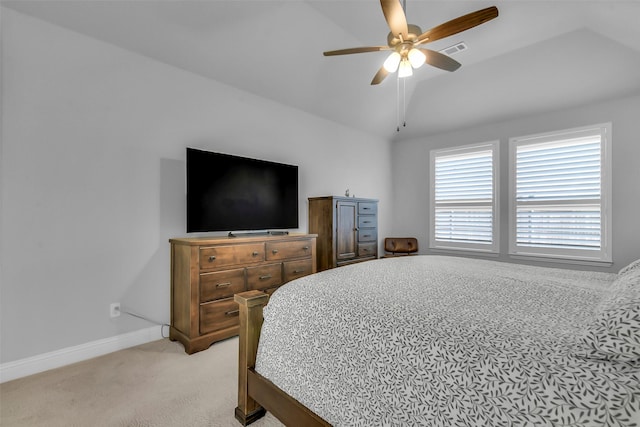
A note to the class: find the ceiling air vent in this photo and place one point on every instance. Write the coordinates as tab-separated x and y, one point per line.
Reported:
456	48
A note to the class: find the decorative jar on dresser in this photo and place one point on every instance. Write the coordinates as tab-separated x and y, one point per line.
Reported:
207	272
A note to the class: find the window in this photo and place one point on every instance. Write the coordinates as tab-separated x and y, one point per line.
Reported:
463	198
559	186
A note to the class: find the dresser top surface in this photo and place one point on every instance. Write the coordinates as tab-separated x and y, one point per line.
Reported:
355	199
196	241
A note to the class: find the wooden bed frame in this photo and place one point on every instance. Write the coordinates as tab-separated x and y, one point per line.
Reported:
256	394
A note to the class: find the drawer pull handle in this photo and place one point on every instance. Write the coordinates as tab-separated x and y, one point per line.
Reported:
232	312
367	235
265	277
275	251
367	222
223	285
366	209
255	254
298	271
305	248
365	250
212	258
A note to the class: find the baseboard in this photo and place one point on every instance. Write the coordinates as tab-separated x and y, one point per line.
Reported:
66	356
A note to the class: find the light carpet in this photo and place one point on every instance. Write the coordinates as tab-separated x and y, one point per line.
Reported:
155	384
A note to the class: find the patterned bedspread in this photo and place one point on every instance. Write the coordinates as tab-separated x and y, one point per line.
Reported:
445	341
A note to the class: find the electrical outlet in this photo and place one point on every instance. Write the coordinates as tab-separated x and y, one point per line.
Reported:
114	309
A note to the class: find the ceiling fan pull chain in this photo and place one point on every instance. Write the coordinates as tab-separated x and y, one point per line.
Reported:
397	104
404	102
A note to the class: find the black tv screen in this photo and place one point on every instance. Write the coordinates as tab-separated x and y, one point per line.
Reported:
232	193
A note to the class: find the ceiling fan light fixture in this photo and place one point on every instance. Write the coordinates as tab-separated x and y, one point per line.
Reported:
405	69
416	58
392	62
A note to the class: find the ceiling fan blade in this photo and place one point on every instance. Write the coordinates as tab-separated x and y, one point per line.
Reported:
440	60
458	25
380	76
355	50
396	19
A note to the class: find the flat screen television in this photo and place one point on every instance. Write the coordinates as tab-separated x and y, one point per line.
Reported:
232	193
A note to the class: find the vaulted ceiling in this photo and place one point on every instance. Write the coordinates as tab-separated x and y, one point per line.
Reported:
536	56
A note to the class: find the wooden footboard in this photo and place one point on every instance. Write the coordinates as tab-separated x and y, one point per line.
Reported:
256	393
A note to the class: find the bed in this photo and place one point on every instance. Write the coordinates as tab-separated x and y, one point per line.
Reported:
444	341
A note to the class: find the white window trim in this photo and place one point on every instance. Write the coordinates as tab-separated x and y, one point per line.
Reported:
604	255
468	247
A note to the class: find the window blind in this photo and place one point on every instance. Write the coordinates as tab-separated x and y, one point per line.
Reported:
558	227
559	173
464	198
559	194
567	170
464	225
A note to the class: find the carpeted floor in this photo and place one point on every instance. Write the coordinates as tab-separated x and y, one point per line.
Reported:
155	384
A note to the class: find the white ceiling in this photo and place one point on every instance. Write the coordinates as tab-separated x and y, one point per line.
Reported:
536	56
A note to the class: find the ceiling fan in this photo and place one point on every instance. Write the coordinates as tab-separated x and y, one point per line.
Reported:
404	40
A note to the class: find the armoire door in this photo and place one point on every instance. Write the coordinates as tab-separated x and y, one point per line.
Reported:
346	243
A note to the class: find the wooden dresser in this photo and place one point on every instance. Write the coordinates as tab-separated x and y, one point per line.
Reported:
207	272
347	229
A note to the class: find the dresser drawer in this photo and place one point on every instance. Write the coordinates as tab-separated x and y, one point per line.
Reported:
264	276
367	208
218	315
285	250
367	249
221	284
367	221
299	268
225	256
367	235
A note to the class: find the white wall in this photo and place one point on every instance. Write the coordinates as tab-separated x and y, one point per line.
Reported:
411	171
93	177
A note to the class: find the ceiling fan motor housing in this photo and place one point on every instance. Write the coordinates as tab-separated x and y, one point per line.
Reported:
414	31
